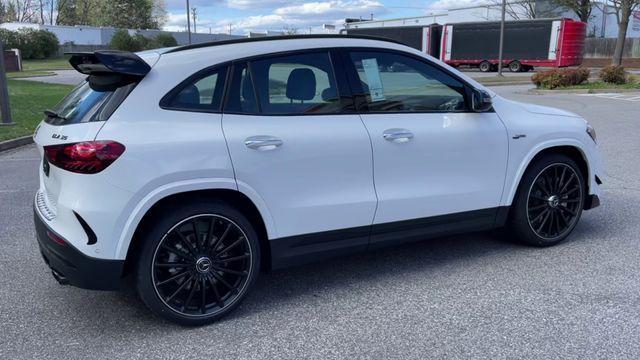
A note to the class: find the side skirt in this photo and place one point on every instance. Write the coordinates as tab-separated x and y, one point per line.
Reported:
306	248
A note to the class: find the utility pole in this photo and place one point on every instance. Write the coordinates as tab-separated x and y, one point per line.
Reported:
5	111
188	22
194	14
504	9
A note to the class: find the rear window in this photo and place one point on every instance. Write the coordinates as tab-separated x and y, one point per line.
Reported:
84	104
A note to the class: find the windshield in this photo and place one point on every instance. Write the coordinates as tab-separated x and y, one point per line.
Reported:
84	104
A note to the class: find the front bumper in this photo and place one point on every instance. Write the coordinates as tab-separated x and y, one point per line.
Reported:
70	266
591	202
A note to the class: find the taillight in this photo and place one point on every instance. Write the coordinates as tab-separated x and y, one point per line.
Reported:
84	157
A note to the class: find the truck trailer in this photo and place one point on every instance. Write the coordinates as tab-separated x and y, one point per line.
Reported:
527	43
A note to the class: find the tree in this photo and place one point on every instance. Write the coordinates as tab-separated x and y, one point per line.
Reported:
582	8
517	10
289	30
21	10
623	11
126	14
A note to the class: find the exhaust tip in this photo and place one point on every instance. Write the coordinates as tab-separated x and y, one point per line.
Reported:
61	279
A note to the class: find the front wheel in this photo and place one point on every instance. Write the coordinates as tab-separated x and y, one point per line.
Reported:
197	262
485	66
549	201
515	66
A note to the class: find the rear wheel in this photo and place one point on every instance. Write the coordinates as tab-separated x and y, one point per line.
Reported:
549	201
515	66
485	66
198	262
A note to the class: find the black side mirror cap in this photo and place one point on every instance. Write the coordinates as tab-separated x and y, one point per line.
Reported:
481	101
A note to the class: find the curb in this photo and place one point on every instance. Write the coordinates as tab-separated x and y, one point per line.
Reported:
581	91
14	143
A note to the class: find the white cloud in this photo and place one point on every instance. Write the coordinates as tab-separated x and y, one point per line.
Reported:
302	16
454	4
255	4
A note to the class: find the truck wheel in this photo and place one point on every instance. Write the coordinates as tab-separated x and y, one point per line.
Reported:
515	66
485	66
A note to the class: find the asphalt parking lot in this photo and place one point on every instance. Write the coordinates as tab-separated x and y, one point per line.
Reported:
471	296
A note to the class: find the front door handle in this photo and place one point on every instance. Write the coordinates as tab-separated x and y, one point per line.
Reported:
397	135
263	142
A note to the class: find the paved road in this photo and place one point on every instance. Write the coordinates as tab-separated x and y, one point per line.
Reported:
460	297
66	77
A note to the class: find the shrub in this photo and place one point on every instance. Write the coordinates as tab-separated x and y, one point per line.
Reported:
121	40
163	40
9	39
613	74
555	78
37	44
32	43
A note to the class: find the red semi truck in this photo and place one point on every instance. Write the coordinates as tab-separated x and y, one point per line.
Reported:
527	43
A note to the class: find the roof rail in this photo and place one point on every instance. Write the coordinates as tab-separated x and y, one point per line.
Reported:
280	37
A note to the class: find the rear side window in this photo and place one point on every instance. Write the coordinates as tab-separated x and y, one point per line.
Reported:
84	104
202	93
295	84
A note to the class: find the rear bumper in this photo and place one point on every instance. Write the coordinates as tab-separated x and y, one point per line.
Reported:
70	266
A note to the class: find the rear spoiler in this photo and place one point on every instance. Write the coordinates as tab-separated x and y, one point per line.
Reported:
109	62
109	69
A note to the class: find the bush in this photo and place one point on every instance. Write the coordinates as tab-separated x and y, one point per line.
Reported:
163	40
32	43
121	40
10	39
613	74
555	78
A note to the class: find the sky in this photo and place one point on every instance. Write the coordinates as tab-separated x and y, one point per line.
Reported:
218	16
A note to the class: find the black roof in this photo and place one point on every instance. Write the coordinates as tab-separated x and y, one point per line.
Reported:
279	37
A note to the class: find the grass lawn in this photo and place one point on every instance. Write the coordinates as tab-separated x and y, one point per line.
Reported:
28	99
61	63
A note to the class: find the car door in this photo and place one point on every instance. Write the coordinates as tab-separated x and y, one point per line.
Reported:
436	163
296	142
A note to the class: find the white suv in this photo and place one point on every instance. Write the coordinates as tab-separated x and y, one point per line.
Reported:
194	168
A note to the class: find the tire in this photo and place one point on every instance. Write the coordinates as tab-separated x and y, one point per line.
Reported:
515	66
485	66
197	282
553	184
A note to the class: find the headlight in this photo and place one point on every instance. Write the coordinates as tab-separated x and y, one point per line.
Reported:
592	132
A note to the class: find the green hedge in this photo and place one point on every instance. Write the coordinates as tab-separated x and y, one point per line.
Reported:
121	40
32	43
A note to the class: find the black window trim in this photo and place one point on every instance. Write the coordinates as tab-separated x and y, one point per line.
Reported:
360	98
198	75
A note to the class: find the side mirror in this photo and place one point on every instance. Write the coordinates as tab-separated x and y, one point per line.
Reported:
481	101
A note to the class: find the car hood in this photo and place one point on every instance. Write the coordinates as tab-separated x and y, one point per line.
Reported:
546	110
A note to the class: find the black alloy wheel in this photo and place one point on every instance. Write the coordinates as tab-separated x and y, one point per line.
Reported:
554	201
198	263
549	201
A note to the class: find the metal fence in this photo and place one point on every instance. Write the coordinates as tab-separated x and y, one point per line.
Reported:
600	48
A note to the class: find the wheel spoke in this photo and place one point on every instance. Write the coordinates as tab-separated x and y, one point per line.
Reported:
544	221
216	294
173	278
564	187
179	289
191	292
540	215
235	258
172	265
538	207
539	185
192	250
564	208
203	300
194	225
236	243
234	272
219	240
223	281
178	252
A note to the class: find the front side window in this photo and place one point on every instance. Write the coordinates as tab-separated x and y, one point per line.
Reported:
397	83
202	93
296	84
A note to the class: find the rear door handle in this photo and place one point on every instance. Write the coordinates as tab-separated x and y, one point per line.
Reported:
263	142
397	135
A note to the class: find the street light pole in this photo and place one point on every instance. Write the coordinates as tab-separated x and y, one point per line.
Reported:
504	8
188	22
5	111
